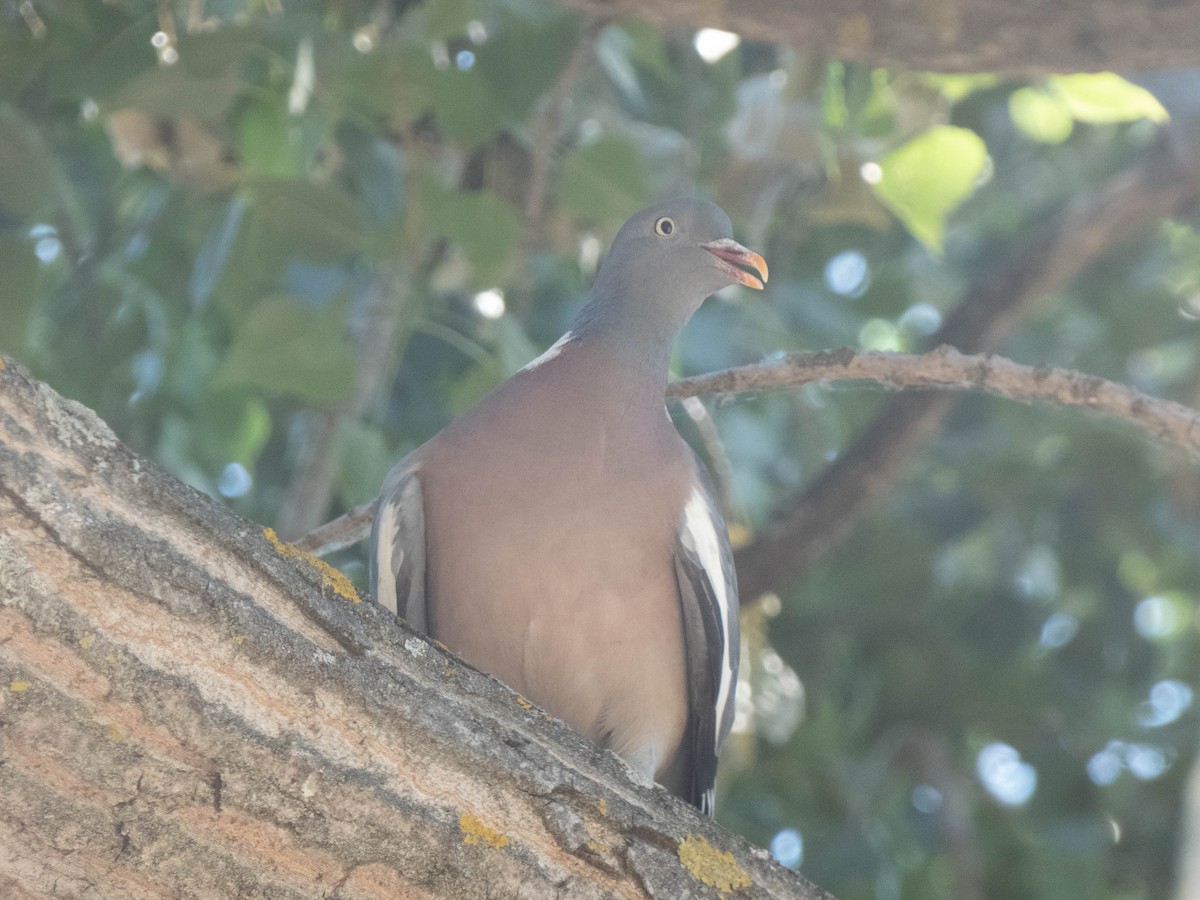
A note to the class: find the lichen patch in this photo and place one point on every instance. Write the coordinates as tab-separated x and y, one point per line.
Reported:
334	579
712	866
476	831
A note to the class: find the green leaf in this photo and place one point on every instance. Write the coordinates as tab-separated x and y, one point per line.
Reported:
1106	97
20	63
263	137
376	171
833	96
521	62
214	253
484	226
318	221
954	86
174	92
231	427
287	348
1042	115
648	48
925	179
514	349
365	459
518	64
116	50
18	291
466	110
603	181
29	178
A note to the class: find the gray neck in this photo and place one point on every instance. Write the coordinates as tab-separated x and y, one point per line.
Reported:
632	328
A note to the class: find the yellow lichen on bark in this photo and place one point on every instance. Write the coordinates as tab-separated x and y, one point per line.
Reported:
709	865
334	579
476	831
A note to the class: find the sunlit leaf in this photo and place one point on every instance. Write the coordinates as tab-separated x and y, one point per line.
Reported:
603	181
232	426
285	347
1042	115
1106	97
955	86
264	134
925	179
833	96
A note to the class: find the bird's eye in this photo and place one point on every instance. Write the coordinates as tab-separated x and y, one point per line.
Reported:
665	226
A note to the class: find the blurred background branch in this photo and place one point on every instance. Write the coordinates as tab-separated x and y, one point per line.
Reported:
1037	265
966	36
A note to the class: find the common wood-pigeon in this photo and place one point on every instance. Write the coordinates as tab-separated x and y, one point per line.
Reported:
563	537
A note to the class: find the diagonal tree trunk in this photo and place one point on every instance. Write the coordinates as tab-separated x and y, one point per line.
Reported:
190	707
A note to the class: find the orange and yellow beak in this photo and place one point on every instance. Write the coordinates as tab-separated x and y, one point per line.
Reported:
730	254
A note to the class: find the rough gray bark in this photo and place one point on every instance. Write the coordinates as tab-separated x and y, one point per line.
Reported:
189	707
951	35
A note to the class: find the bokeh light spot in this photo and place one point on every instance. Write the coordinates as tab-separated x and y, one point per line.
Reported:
1157	617
235	481
848	274
927	799
1006	776
1058	630
713	44
787	846
489	303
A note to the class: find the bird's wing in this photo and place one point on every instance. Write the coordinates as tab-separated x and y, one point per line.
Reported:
709	605
398	545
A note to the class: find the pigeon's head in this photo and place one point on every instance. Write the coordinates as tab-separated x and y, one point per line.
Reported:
679	252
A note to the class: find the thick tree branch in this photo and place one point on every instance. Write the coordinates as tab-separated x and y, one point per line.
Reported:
962	36
190	708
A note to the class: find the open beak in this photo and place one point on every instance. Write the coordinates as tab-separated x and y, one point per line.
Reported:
728	252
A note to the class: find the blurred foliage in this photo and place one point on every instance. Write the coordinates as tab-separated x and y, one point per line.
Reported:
201	205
